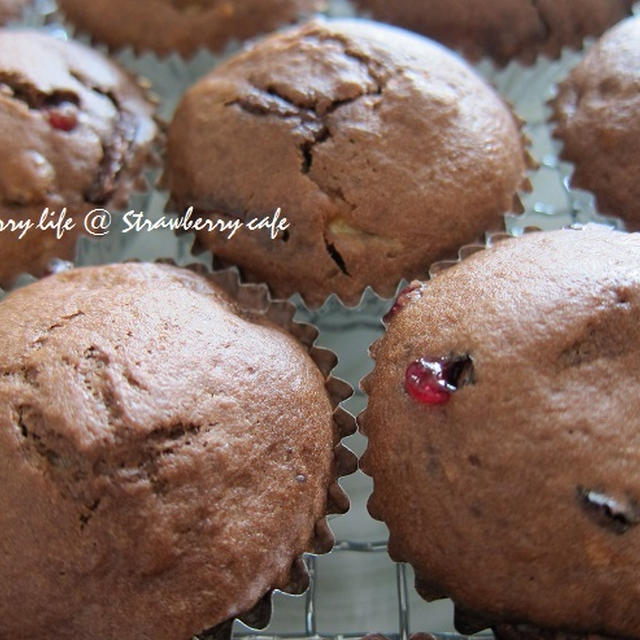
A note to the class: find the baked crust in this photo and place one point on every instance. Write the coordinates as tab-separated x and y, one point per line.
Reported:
383	151
520	496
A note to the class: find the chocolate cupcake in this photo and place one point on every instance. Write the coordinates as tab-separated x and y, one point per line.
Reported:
503	29
11	9
382	150
597	117
76	132
184	26
163	465
503	435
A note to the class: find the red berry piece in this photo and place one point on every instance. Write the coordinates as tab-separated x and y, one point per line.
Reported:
63	116
425	382
433	380
404	297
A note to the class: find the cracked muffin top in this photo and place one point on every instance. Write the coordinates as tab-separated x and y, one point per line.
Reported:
183	26
505	402
76	132
174	454
10	9
384	151
503	29
597	117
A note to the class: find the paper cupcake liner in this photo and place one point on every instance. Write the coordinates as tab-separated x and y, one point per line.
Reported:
371	296
527	88
553	203
465	621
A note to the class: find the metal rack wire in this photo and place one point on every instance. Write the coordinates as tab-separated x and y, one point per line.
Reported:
310	610
311	629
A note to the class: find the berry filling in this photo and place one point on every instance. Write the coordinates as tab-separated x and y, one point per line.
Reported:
403	299
433	380
63	116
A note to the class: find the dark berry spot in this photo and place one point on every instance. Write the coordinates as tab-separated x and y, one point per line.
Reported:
433	380
618	515
425	382
64	116
405	296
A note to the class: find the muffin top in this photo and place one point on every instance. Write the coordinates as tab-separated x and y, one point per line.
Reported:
10	9
505	403
597	117
183	26
75	131
503	29
157	444
384	151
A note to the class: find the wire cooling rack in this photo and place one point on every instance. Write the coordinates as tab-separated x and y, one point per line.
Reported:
310	622
551	204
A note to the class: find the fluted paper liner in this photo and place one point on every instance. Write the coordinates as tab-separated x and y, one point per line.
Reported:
466	622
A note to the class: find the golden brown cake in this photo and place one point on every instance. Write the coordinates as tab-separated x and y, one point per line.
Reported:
503	29
183	26
76	132
503	435
165	456
597	117
384	151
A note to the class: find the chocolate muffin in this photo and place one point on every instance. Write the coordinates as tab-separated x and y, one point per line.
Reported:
11	9
597	117
503	29
384	152
183	26
503	435
76	132
165	456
